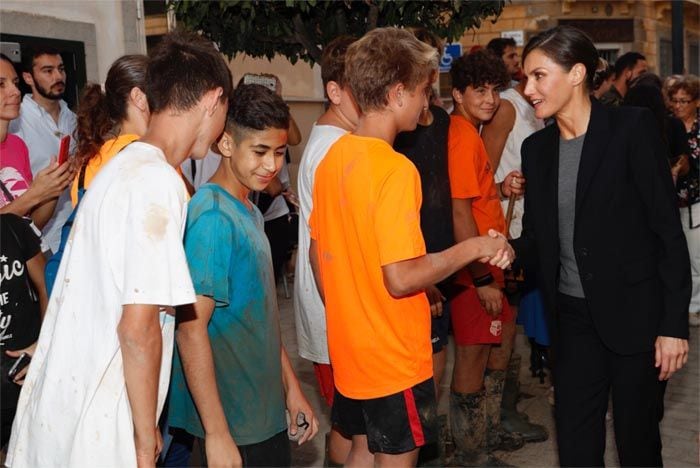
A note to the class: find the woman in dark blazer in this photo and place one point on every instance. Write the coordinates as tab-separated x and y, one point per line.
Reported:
602	230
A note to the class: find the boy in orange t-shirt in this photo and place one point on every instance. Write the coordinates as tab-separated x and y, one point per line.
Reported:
480	314
369	259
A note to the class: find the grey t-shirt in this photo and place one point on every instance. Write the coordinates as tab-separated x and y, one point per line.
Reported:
569	159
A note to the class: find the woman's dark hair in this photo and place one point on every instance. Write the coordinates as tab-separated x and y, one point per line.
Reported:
648	95
602	73
100	113
567	46
6	58
477	69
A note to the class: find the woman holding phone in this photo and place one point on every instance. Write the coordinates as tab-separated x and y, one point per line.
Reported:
602	229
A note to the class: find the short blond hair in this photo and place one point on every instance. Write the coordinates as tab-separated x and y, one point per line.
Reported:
382	58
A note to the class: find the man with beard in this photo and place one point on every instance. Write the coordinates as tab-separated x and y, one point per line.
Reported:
627	67
44	119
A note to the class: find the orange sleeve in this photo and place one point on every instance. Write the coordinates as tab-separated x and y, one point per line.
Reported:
462	151
397	214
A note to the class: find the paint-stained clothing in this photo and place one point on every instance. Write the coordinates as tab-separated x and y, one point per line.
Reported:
125	248
229	257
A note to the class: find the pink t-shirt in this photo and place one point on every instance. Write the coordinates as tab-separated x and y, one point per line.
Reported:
15	171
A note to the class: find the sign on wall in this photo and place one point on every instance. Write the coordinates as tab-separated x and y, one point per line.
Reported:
452	52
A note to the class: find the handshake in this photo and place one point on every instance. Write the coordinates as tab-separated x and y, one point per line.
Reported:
494	249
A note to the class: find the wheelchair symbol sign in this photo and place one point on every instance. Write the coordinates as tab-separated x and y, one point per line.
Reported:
452	52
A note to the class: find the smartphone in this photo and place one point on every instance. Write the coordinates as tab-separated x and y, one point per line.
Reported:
265	81
21	362
63	149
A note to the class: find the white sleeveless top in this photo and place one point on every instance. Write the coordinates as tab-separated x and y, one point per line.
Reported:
525	125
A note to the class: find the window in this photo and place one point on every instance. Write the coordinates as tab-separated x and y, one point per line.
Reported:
693	58
665	57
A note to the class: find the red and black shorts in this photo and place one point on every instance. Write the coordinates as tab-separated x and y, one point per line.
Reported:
472	325
394	424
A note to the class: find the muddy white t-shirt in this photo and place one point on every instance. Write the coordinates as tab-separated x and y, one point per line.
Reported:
125	248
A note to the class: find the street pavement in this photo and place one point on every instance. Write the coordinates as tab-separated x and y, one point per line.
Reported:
679	429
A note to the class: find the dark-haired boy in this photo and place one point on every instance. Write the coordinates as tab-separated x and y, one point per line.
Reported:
232	379
369	257
101	369
310	314
480	315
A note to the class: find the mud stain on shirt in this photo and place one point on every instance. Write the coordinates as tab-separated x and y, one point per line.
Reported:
156	222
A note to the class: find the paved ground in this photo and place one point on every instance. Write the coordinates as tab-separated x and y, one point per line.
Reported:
680	427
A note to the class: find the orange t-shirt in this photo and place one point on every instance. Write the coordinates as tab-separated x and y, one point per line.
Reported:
108	150
366	214
471	177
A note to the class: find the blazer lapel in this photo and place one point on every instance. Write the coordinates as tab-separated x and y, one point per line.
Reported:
594	149
550	176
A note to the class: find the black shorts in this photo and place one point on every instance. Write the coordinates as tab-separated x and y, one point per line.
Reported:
394	424
274	451
440	328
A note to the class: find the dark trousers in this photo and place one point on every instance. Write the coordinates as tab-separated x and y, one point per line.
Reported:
273	452
586	371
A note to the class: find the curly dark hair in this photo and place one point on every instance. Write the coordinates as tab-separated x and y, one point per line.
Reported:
477	69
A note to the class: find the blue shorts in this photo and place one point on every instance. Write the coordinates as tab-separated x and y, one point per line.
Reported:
440	328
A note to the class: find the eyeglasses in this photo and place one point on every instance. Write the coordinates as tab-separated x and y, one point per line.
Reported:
682	102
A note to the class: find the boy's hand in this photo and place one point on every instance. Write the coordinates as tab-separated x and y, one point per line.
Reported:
435	298
495	249
148	448
222	451
514	183
302	424
491	299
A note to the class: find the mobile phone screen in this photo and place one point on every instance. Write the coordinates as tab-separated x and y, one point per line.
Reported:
63	149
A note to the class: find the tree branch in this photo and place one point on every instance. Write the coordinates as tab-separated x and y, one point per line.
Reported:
372	16
303	37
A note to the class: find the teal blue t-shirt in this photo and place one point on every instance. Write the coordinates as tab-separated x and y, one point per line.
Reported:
229	259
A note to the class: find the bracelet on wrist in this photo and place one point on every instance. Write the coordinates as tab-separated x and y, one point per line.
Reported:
483	280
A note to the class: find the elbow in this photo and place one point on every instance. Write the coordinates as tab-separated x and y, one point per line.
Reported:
396	287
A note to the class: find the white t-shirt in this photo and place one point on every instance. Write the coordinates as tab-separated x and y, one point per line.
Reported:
525	125
205	168
125	248
278	207
309	311
42	135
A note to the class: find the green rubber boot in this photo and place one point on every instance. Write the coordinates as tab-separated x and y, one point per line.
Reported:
512	420
496	437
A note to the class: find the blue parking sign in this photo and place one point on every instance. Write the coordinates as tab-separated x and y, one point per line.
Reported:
452	52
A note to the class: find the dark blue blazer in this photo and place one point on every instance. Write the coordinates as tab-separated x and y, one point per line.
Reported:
628	241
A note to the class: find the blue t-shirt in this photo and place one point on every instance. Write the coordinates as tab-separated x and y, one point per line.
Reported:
229	259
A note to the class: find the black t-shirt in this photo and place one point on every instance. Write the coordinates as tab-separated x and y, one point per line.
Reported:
426	147
20	315
677	139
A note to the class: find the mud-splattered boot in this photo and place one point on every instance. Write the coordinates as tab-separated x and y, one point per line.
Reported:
496	437
513	420
468	428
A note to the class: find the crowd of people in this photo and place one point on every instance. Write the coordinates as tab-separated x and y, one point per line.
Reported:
139	321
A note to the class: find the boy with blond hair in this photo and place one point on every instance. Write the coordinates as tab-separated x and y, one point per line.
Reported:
367	247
